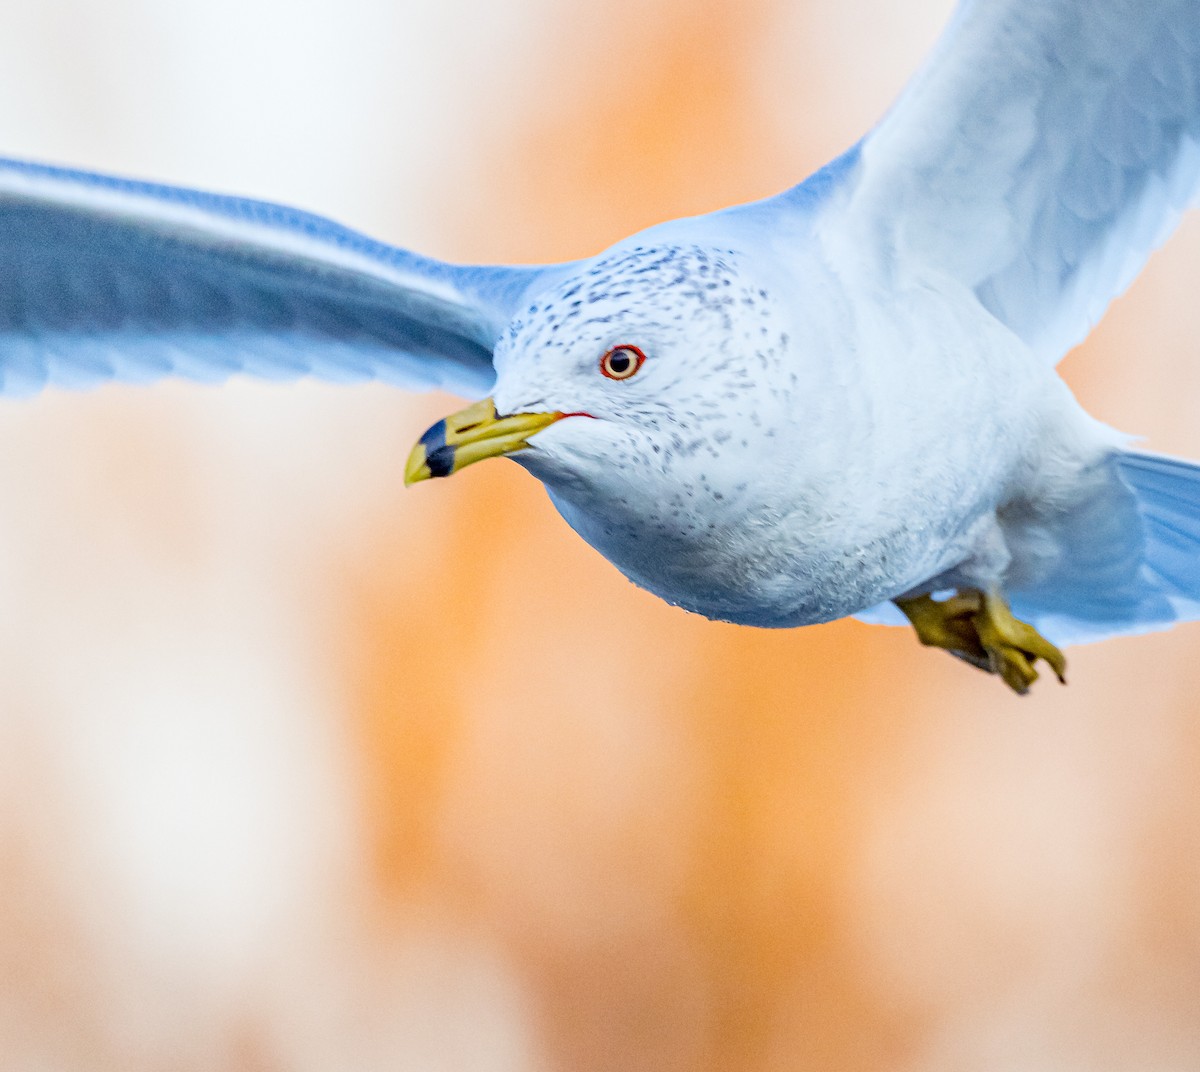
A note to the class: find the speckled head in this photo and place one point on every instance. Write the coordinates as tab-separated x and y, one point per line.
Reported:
672	458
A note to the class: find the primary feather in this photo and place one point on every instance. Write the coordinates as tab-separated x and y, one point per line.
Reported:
1042	153
104	278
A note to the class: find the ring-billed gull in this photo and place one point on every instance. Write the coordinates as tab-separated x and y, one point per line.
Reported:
837	401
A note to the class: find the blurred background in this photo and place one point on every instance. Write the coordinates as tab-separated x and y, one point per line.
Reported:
301	771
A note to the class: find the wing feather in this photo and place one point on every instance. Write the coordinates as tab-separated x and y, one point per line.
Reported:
1042	153
108	279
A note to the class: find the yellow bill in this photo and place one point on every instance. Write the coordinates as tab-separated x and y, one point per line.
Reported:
469	436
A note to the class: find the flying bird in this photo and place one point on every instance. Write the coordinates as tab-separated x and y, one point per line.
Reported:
837	401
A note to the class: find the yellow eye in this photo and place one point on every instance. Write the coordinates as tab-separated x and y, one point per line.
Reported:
621	362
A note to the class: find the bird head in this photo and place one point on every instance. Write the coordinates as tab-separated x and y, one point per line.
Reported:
643	391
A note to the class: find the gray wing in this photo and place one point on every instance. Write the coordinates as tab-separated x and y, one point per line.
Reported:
108	279
1041	154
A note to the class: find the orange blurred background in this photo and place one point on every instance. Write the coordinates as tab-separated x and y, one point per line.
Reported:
301	771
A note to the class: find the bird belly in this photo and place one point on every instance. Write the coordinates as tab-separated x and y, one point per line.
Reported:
768	573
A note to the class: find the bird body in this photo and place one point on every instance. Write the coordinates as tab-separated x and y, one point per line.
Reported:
811	475
839	400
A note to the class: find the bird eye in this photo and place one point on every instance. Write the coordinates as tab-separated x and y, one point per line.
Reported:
621	362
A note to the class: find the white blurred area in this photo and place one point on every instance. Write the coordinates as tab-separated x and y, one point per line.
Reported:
184	882
299	771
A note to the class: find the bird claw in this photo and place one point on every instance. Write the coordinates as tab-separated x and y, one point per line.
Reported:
979	628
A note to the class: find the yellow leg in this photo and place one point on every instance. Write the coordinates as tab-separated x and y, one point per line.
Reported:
980	628
948	624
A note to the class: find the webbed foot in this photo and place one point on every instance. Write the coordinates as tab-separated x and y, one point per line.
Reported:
979	628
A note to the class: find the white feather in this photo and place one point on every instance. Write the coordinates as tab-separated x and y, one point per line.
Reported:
104	278
1039	157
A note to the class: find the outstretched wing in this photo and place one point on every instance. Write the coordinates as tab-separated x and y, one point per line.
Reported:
108	279
1044	150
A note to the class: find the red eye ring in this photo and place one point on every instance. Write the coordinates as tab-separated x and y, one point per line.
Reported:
621	362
